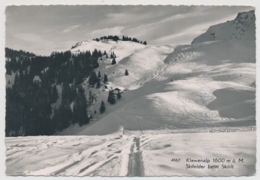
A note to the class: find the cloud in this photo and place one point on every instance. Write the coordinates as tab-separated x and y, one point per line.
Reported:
29	37
126	18
117	30
70	28
186	35
179	28
163	26
45	30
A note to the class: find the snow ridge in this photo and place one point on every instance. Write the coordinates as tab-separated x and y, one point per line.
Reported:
242	27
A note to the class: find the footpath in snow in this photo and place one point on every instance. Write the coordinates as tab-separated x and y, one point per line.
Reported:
131	154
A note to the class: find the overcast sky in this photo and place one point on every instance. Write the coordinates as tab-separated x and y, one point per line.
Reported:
44	29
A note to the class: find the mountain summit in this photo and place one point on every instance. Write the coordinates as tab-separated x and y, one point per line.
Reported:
242	27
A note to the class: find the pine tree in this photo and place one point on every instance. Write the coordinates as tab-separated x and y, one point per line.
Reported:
99	75
68	92
112	55
28	106
92	79
65	114
98	84
57	121
102	108
54	94
145	43
111	97
113	61
119	95
73	93
126	72
90	98
105	79
16	79
80	114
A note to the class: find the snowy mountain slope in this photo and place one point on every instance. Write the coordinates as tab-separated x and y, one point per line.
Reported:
185	93
140	63
205	84
242	27
188	86
140	60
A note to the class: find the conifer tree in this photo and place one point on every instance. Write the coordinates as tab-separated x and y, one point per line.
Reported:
80	114
113	61
102	108
99	75
105	79
65	92
57	120
28	106
16	79
111	97
98	84
54	94
93	78
126	72
119	95
90	97
65	114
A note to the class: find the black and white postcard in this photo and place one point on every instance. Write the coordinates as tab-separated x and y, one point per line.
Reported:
136	90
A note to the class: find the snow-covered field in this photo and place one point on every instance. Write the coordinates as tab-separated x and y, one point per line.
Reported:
131	154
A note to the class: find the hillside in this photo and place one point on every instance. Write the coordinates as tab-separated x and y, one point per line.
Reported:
141	61
208	84
121	48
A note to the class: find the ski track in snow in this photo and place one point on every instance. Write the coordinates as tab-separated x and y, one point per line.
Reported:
127	154
135	164
62	155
